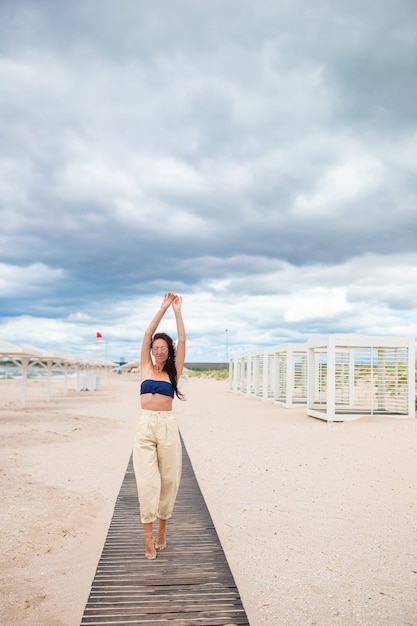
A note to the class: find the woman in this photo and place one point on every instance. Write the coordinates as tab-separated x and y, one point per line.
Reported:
157	455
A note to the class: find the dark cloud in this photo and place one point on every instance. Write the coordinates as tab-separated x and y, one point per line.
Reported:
227	149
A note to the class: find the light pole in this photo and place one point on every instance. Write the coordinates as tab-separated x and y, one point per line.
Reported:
227	347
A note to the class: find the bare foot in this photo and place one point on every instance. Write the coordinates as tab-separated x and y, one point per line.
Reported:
150	547
161	542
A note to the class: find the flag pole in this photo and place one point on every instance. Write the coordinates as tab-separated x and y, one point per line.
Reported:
101	346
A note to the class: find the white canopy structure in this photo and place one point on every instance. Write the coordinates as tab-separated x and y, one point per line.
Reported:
338	377
278	374
26	356
352	376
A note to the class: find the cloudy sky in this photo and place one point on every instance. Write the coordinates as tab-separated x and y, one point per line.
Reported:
260	158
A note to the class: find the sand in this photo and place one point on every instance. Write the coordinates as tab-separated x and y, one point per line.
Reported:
317	520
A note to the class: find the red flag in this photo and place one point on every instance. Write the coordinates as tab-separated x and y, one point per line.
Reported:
99	336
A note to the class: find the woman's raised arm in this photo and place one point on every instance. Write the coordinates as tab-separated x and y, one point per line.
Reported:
145	355
180	351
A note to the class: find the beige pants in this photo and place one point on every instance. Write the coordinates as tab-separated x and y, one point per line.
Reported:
157	461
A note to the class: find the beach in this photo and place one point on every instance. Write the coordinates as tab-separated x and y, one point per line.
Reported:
317	519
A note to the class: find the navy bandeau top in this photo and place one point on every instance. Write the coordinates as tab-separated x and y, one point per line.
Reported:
163	387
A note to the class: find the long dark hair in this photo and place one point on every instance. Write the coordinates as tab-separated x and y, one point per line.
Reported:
169	367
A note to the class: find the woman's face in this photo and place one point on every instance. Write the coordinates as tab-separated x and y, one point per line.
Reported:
160	351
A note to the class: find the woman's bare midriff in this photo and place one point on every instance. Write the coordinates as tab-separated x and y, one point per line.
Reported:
155	402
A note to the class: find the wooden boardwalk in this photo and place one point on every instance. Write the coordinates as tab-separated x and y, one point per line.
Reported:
189	584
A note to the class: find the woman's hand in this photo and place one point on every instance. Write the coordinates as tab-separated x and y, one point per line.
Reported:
177	303
168	300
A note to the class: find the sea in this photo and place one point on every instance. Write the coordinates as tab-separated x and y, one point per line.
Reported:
12	372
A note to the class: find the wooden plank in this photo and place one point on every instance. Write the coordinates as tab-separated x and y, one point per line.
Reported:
189	584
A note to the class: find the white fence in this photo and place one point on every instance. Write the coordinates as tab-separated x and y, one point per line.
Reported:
337	378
